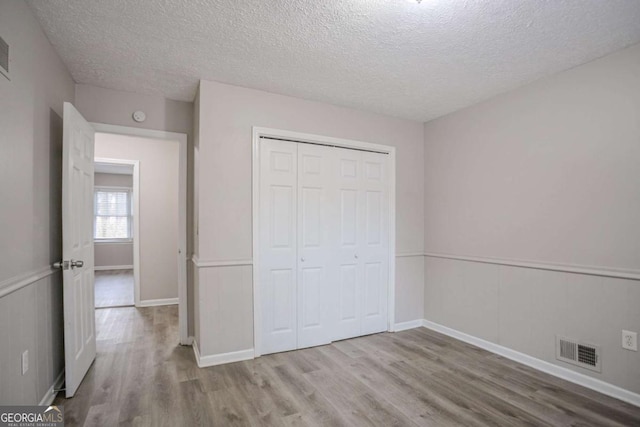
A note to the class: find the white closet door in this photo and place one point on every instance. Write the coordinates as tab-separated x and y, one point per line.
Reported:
315	272
374	247
362	243
278	251
349	234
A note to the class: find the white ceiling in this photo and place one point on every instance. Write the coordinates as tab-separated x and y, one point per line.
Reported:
389	56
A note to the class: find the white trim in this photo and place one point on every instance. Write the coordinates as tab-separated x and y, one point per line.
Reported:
133	131
409	254
112	241
112	267
51	394
157	302
258	132
220	359
255	227
181	138
320	139
196	351
566	268
391	290
205	263
549	368
113	187
15	283
411	324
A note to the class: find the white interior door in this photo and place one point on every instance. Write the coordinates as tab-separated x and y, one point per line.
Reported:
315	243
77	247
278	245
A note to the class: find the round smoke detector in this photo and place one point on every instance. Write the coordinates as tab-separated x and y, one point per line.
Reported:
139	116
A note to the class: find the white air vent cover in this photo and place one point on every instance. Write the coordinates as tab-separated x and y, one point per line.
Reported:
4	58
578	353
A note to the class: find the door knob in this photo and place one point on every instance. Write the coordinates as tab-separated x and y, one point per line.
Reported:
61	264
65	265
356	256
302	259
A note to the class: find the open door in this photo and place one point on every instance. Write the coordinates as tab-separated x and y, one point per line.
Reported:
77	247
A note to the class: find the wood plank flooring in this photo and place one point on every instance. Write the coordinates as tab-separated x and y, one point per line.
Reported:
417	377
113	288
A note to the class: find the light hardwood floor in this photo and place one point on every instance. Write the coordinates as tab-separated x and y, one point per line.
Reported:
416	377
113	288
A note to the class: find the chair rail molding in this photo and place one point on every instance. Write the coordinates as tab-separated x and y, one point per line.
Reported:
15	283
565	268
409	254
223	263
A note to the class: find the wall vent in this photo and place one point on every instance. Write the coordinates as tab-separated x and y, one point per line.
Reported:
578	353
4	58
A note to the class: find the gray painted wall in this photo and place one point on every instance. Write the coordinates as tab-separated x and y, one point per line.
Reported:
120	253
113	180
223	216
113	254
545	173
30	219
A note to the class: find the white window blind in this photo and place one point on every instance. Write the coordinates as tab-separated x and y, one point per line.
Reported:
112	213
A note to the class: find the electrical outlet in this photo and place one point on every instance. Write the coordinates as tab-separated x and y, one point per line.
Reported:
25	361
630	340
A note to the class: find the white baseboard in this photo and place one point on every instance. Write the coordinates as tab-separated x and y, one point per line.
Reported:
549	368
112	267
156	302
220	359
50	395
411	324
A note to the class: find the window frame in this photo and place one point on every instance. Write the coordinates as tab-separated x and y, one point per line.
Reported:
106	188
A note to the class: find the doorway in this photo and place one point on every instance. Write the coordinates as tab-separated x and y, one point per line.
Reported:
116	186
157	163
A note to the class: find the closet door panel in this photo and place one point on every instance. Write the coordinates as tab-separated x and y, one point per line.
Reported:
374	247
348	237
278	245
316	277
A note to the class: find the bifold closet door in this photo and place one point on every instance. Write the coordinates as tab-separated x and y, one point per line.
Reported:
278	245
316	282
323	254
375	242
362	243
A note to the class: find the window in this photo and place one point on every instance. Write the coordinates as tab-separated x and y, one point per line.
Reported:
113	218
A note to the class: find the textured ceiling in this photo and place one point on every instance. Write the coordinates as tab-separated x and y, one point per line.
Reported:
389	56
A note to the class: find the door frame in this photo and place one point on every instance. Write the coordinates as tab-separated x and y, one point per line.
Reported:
181	138
135	203
255	193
